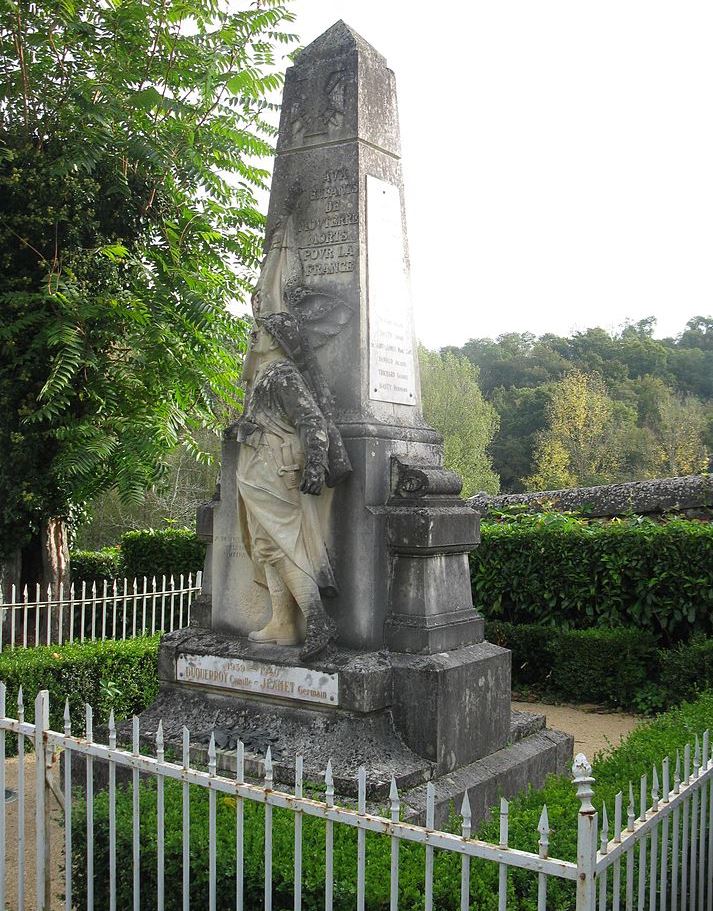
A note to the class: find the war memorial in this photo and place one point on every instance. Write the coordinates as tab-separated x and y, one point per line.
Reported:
336	619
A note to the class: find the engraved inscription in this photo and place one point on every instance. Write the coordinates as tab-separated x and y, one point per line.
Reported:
328	236
391	355
297	683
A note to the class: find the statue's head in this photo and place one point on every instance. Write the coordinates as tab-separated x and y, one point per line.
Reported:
285	329
275	331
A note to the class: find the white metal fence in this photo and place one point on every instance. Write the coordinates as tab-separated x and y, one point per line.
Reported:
660	859
120	609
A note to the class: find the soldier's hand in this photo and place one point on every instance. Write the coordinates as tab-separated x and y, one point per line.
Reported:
312	479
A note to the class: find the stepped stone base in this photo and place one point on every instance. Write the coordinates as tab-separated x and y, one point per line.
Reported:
366	714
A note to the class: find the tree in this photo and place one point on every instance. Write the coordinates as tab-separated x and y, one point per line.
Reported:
680	436
581	444
128	223
454	405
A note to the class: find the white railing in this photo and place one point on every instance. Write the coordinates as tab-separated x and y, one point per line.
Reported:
121	609
683	813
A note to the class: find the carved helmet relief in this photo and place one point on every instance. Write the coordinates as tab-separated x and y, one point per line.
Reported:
317	113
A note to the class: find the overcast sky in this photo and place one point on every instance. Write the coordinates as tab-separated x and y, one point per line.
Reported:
558	158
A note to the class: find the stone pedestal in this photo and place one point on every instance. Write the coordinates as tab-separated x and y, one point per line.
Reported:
444	718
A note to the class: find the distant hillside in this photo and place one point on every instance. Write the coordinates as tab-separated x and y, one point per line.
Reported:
656	395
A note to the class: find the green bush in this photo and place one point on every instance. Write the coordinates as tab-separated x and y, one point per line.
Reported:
685	671
594	665
169	551
534	649
647	746
96	565
108	675
575	573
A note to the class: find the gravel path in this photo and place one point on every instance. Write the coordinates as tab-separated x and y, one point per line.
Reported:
56	840
595	730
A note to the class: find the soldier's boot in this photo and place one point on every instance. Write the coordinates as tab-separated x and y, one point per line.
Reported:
321	631
283	628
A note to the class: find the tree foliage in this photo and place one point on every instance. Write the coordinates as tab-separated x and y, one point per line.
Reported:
454	405
129	136
652	383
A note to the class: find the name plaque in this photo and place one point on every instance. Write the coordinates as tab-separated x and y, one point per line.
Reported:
260	678
392	376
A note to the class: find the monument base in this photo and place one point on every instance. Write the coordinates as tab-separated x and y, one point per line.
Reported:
444	718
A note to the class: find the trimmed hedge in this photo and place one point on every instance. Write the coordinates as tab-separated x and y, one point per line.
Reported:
617	667
118	675
646	746
96	565
575	573
169	551
611	666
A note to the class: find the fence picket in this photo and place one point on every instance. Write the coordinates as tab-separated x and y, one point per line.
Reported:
68	813
160	835
630	820
38	611
465	812
135	814
186	808
642	846
361	842
268	824
83	614
114	594
180	602
503	870
430	825
654	861
90	808
112	816
105	585
25	598
329	841
703	830
616	875
211	825
543	844
239	829
395	805
20	805
143	607
663	876
13	598
134	605
60	620
684	839
299	766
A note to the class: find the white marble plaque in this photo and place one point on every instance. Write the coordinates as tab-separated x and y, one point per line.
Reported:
259	678
391	355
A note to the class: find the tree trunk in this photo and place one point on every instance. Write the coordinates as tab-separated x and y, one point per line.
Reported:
55	555
10	574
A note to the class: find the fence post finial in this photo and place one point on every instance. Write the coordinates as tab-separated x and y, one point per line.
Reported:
582	775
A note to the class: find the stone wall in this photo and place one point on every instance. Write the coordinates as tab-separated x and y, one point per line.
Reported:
690	496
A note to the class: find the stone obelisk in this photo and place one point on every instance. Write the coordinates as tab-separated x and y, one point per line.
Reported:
338	154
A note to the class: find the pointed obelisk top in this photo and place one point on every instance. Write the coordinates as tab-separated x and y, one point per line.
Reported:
338	90
340	39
